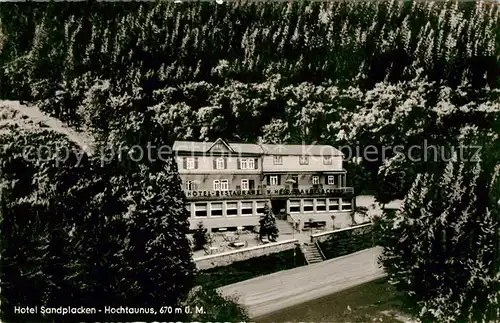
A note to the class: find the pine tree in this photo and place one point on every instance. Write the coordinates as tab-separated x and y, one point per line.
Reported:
268	226
102	233
439	247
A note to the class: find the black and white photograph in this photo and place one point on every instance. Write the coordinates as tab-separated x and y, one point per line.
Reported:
250	161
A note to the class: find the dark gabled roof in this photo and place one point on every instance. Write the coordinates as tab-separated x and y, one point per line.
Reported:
247	148
205	146
243	148
314	150
192	146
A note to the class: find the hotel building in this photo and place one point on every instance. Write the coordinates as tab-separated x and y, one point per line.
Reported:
228	184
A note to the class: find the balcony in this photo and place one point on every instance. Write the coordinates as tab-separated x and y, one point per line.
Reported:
267	192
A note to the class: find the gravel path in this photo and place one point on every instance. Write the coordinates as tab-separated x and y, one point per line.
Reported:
270	293
33	115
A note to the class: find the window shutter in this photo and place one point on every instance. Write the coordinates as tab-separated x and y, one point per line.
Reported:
196	163
279	179
256	163
268	180
238	162
326	179
215	163
225	163
184	162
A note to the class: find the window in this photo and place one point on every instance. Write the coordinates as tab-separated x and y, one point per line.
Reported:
216	209
331	180
273	180
232	208
200	209
277	160
244	185
320	205
246	208
294	206
243	164
333	205
315	180
247	163
303	160
190	185
308	206
190	163
224	185
327	160
346	205
216	185
220	163
260	207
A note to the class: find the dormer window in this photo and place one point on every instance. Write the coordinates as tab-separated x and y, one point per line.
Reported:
277	160
303	160
327	160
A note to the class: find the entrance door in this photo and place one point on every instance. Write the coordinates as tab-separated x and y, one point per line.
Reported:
279	208
295	184
251	185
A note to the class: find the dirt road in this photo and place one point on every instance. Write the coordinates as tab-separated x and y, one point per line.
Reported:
35	116
266	294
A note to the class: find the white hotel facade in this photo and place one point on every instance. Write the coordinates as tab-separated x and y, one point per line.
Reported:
228	184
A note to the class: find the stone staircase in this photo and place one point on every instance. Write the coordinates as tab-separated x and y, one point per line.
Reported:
311	253
284	227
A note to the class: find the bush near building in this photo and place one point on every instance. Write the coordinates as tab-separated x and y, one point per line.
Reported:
200	237
267	225
347	242
242	270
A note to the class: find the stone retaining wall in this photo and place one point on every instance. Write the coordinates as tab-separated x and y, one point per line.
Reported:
321	237
227	258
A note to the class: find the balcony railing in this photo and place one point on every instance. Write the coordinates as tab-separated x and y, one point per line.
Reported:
267	192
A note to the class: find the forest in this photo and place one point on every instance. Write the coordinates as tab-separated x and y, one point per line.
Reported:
348	74
302	72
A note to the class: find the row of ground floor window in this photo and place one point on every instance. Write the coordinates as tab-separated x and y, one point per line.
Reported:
256	207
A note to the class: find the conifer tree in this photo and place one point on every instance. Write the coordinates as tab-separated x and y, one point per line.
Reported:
267	223
99	234
439	248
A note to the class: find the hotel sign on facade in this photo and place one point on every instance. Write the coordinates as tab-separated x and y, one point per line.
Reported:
269	193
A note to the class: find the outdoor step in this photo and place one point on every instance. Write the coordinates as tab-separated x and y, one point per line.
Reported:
314	256
312	253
